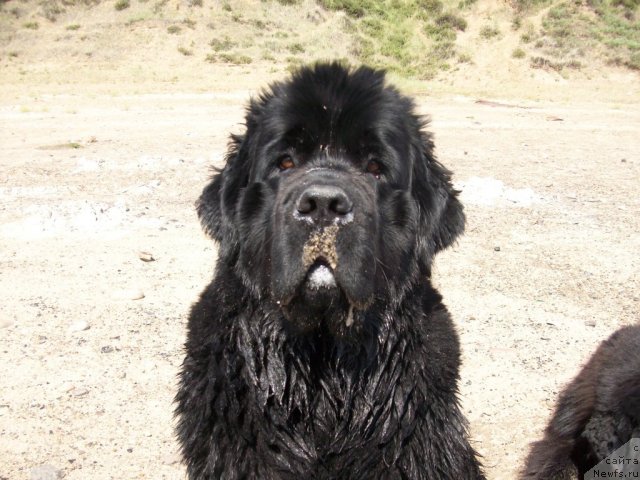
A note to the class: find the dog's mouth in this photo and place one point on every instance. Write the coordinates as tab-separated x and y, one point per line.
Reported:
320	276
319	300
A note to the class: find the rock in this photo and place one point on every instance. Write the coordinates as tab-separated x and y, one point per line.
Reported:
590	323
496	249
146	257
79	391
128	294
79	326
45	472
106	349
171	459
6	322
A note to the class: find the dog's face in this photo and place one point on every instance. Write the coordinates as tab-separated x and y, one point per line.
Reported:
331	202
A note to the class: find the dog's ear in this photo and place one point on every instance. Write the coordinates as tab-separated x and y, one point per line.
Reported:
217	203
441	218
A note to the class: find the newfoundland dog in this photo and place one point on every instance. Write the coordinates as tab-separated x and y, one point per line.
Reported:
321	350
597	413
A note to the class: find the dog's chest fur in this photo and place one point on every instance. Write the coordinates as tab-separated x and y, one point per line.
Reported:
322	399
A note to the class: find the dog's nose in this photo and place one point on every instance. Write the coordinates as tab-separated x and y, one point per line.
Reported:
324	204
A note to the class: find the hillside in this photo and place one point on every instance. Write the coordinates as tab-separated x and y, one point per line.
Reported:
477	45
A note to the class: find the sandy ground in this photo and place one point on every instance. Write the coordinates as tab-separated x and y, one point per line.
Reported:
548	267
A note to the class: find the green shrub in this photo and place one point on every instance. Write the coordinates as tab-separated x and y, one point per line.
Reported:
634	61
462	4
451	20
235	59
355	8
487	32
527	5
219	45
122	4
296	48
516	23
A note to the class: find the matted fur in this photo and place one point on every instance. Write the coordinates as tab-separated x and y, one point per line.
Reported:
356	379
597	413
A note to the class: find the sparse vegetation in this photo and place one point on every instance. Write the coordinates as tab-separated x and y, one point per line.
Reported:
137	19
159	5
558	66
570	29
464	58
235	59
489	31
522	6
529	34
414	38
121	4
259	24
518	53
220	45
189	23
463	4
452	20
296	48
516	23
51	10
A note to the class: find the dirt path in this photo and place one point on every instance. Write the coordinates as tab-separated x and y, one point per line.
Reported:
548	267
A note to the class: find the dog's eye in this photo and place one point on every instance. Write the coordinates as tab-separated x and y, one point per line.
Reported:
374	168
286	162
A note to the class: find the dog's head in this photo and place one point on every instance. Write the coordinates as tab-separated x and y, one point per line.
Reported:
331	201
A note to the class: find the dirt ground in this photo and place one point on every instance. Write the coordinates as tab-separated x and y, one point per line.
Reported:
547	269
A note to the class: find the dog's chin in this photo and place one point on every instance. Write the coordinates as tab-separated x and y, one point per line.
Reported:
319	302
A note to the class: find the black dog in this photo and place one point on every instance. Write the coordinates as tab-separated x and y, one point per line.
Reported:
597	413
321	350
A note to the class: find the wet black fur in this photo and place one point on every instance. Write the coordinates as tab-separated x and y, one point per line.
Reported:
269	391
597	413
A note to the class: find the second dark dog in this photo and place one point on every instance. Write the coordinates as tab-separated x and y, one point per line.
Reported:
597	413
